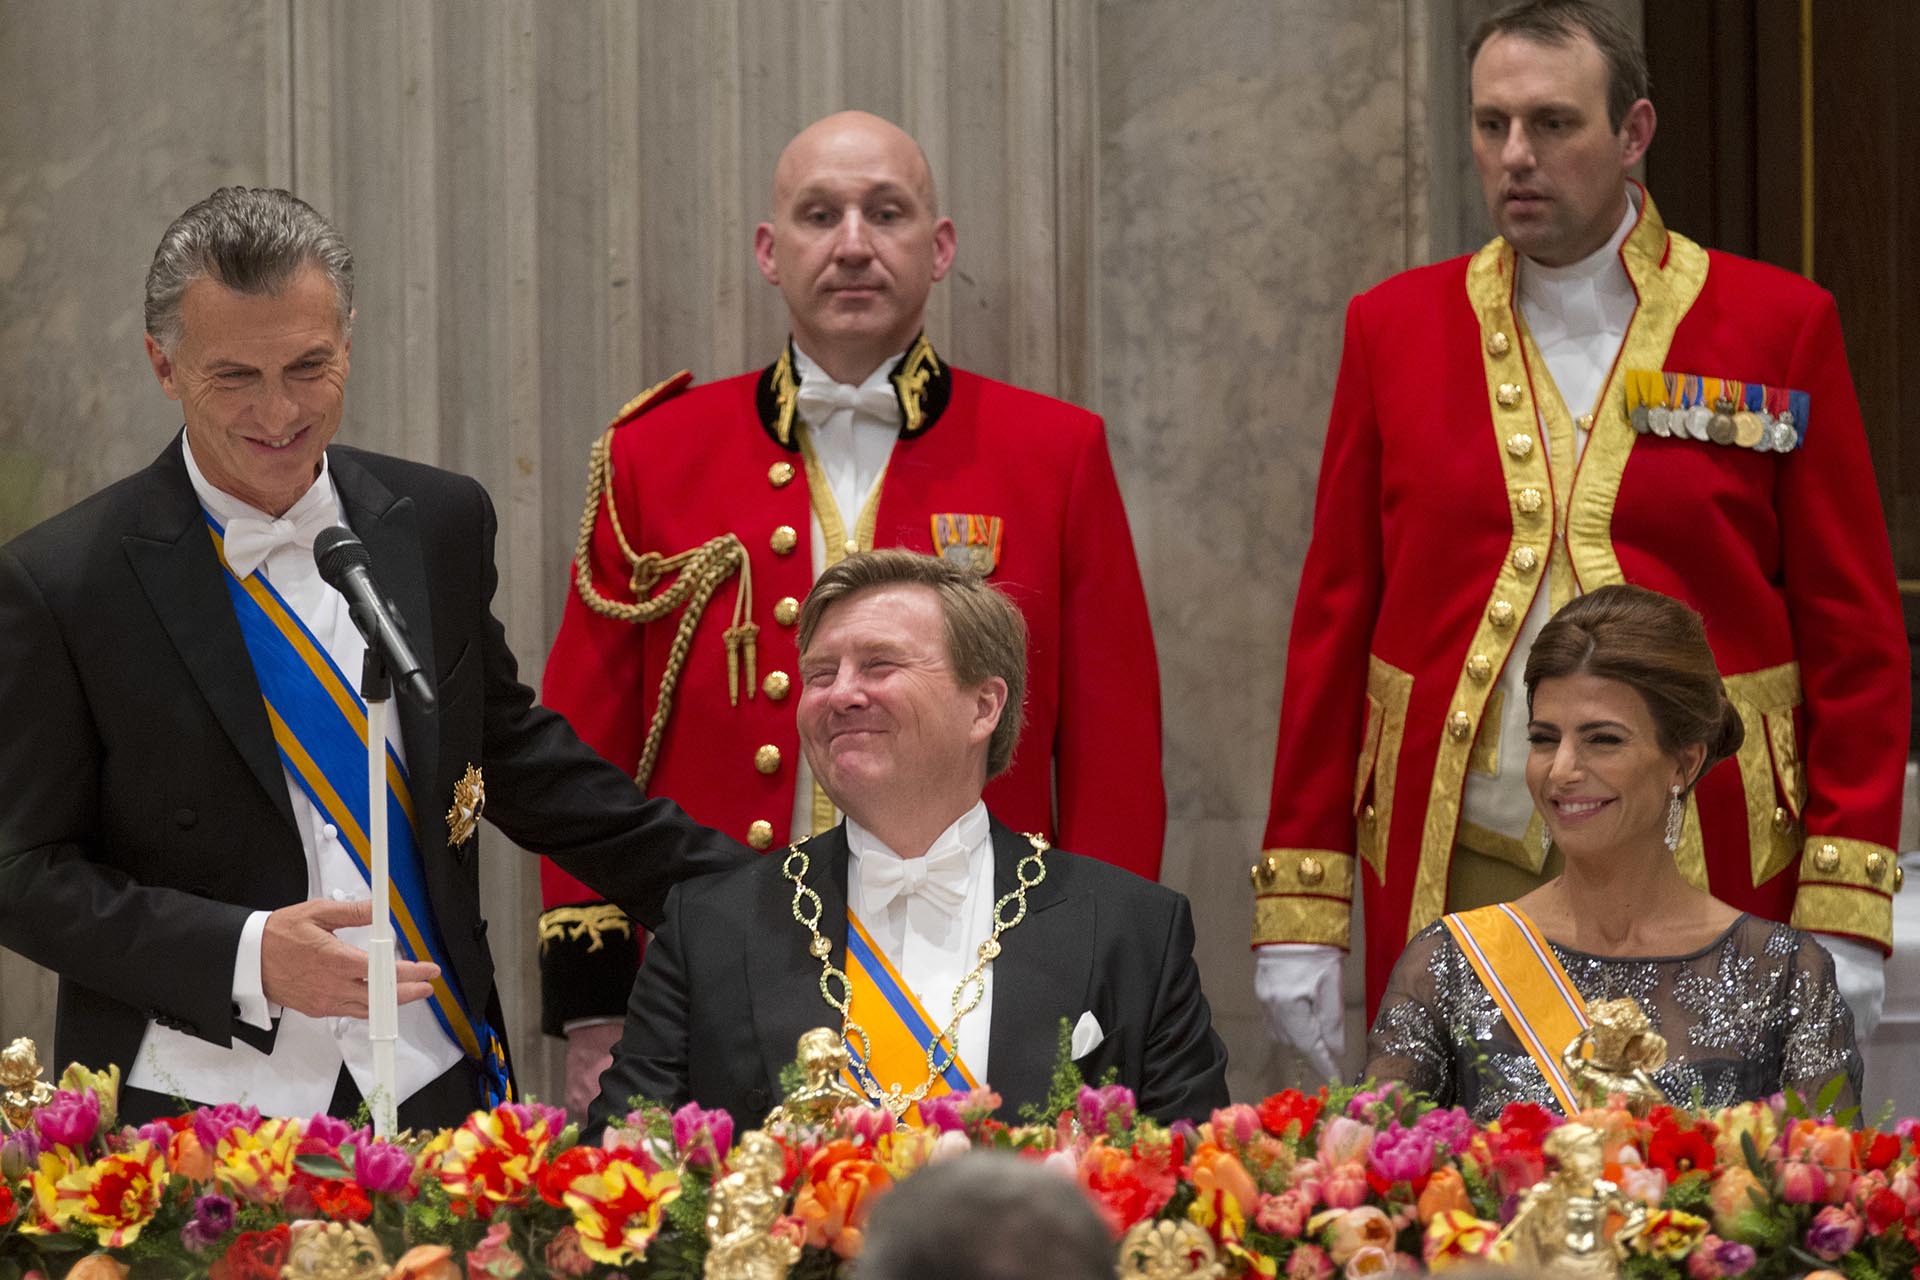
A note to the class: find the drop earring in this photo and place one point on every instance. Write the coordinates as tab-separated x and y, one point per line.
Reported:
1675	812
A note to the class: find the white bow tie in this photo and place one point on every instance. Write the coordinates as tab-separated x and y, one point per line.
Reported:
820	398
251	539
939	878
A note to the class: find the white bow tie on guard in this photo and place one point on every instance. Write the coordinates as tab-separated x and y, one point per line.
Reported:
818	401
250	539
938	879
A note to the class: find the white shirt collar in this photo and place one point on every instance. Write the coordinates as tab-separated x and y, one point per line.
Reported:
969	831
810	372
223	506
1602	268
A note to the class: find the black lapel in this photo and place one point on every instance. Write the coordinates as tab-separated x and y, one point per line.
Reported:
1044	973
783	978
389	527
171	552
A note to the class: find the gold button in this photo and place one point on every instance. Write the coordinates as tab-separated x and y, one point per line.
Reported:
1500	613
785	610
1526	559
1585	422
1497	344
760	834
1460	724
1876	866
1508	395
1782	821
1480	667
1899	877
780	474
784	540
767	758
1266	873
1520	445
1528	500
1311	872
853	547
776	685
1826	859
1367	815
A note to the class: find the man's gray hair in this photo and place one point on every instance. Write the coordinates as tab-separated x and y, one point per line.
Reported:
986	1215
252	240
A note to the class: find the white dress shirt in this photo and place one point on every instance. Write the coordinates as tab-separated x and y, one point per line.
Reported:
298	1077
1578	315
932	949
853	446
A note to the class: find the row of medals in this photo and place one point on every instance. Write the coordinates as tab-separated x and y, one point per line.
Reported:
1725	423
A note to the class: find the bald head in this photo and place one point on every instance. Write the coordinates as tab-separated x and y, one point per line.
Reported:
853	242
854	135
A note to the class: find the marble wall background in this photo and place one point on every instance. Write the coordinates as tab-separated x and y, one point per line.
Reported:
1163	208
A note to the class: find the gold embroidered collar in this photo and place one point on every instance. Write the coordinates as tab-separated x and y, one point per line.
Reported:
922	382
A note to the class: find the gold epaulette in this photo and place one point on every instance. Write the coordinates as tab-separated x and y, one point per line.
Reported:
657	394
696	574
589	921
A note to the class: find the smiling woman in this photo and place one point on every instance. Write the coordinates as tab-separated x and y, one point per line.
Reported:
1627	713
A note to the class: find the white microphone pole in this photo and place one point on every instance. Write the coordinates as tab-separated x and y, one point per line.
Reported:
383	1000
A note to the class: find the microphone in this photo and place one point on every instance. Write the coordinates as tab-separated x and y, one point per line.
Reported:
346	566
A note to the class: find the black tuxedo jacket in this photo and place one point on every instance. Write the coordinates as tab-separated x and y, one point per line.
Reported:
727	988
143	810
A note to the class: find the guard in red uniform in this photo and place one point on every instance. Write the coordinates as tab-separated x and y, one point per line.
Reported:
1589	399
711	509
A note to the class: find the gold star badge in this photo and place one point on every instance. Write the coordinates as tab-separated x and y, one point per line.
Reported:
469	801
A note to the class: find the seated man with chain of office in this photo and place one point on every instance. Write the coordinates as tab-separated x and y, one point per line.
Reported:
945	948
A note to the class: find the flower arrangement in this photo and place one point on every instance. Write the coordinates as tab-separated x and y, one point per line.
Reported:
1344	1181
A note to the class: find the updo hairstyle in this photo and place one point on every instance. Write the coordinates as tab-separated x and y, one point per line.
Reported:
1656	646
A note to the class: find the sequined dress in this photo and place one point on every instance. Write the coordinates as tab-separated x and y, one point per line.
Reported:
1755	1011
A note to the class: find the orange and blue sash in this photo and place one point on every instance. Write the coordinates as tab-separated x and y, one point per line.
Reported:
899	1032
1524	977
320	726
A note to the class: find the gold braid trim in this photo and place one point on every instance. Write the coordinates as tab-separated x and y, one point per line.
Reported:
697	574
593	921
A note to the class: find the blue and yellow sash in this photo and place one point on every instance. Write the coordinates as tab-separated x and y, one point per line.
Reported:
320	725
899	1032
1525	978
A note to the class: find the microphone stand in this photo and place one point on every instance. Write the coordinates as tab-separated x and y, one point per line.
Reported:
383	1002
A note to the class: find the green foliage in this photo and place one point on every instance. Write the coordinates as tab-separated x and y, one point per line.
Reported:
1691	1193
1063	1087
1480	1192
322	1166
1643	1266
793	1078
1858	1266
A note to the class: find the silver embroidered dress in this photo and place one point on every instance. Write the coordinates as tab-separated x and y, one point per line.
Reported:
1753	1012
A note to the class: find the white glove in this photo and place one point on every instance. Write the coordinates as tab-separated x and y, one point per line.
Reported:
1861	972
1298	983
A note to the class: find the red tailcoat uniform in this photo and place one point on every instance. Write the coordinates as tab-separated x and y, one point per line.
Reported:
1016	484
1437	512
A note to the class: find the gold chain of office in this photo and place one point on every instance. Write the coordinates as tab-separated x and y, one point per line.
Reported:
698	573
1030	871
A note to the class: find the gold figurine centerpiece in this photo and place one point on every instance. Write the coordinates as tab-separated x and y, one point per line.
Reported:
21	1086
741	1211
823	1060
1616	1056
1560	1228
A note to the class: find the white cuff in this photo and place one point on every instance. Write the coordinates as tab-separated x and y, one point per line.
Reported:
250	1003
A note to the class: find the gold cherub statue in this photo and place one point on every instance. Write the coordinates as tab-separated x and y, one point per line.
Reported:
822	1055
741	1211
1561	1225
21	1088
1616	1056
